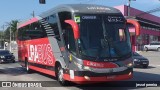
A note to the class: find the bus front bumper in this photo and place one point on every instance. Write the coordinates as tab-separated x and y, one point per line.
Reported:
85	77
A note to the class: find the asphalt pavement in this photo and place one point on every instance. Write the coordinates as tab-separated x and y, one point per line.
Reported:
14	72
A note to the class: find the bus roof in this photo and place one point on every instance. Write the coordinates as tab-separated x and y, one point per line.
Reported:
24	23
74	8
81	8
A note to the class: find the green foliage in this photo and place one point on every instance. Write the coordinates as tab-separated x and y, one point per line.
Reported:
6	34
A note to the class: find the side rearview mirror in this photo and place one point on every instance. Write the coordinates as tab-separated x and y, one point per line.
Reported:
75	28
136	25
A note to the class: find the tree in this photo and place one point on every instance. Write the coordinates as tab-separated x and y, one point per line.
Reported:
13	26
7	34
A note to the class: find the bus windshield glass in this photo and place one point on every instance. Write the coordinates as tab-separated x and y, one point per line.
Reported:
103	36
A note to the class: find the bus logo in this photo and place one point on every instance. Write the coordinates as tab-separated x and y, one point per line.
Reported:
77	19
94	64
41	53
98	8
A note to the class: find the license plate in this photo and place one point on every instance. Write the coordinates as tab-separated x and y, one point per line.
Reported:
8	59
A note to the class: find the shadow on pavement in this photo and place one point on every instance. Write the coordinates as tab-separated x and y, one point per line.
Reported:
139	78
140	67
11	69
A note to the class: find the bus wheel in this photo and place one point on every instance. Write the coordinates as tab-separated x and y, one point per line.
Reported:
60	76
27	66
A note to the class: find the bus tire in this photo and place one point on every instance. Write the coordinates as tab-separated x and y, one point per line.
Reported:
27	66
59	75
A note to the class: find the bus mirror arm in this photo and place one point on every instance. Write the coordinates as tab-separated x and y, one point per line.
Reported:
75	28
136	25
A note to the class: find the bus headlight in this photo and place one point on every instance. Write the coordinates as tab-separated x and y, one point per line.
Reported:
130	73
87	78
87	68
78	65
82	67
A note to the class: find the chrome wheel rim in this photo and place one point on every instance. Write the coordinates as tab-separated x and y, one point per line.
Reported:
60	74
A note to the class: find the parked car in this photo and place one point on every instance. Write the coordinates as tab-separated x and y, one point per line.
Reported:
6	56
139	60
152	46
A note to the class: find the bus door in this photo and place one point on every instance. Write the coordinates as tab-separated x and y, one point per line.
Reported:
67	46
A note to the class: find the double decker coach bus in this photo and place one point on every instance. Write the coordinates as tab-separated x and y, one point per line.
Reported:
79	43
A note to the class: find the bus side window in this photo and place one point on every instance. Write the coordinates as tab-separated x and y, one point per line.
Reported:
52	21
24	34
20	32
36	30
69	39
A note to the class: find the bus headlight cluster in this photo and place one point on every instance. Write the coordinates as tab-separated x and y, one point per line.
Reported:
78	65
87	68
82	67
87	78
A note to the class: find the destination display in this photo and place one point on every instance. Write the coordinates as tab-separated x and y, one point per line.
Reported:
106	18
115	19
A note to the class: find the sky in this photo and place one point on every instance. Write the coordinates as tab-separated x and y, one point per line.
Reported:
22	9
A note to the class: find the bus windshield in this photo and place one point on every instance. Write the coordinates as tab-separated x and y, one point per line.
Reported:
103	36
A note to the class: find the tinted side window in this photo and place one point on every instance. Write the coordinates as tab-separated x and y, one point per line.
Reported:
20	34
35	31
51	26
32	31
69	40
67	32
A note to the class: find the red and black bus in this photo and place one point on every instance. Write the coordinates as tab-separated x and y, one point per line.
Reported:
79	43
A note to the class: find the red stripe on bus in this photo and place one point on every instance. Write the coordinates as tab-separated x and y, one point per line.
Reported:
82	80
99	64
28	22
52	73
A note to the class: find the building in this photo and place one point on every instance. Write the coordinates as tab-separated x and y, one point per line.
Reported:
150	27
